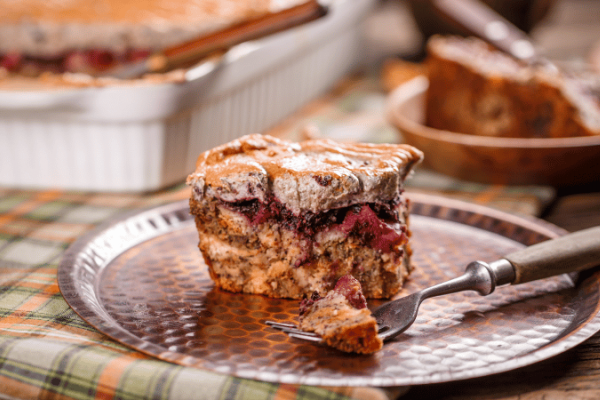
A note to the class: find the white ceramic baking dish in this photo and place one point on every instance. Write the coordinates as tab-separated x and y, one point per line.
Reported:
143	137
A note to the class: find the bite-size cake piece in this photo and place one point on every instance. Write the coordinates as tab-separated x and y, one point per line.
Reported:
341	318
287	219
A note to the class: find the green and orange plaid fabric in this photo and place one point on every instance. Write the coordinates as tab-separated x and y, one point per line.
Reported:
48	352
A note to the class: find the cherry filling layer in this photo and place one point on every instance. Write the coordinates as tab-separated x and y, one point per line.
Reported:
376	225
347	286
83	61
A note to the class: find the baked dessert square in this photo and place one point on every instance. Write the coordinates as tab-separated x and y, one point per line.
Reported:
288	219
341	318
478	90
38	36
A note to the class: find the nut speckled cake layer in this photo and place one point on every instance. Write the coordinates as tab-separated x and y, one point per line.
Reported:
287	219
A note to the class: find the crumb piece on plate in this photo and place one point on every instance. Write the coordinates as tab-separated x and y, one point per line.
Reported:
342	318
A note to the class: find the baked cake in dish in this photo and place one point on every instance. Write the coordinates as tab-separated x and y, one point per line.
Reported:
477	90
76	36
342	318
287	219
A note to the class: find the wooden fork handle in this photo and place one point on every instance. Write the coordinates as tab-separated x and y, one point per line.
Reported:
570	253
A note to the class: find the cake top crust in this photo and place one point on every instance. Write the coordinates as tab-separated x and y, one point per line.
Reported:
313	175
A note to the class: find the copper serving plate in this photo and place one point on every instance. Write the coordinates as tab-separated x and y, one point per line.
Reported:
142	281
558	162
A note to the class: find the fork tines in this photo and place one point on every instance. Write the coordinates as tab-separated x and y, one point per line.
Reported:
293	331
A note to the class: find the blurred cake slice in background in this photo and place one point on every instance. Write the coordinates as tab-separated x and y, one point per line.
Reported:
478	90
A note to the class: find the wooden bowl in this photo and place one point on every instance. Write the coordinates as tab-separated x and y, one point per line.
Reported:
560	162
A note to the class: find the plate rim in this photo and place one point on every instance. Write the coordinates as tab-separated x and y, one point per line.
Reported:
108	326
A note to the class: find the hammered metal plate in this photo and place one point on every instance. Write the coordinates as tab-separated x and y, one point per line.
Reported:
141	280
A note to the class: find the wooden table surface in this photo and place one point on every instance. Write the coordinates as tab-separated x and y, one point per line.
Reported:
570	32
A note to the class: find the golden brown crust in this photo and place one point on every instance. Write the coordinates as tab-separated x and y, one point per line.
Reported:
360	338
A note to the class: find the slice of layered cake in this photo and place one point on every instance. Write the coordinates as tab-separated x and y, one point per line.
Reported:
341	318
288	219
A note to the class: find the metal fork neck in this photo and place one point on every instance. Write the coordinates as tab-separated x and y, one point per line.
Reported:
504	271
479	276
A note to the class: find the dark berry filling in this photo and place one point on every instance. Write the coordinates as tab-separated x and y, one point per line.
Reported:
377	225
371	229
349	287
307	224
85	61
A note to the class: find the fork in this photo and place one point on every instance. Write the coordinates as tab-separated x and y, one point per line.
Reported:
570	253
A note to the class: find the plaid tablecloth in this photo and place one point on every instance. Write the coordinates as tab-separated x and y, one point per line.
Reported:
48	352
